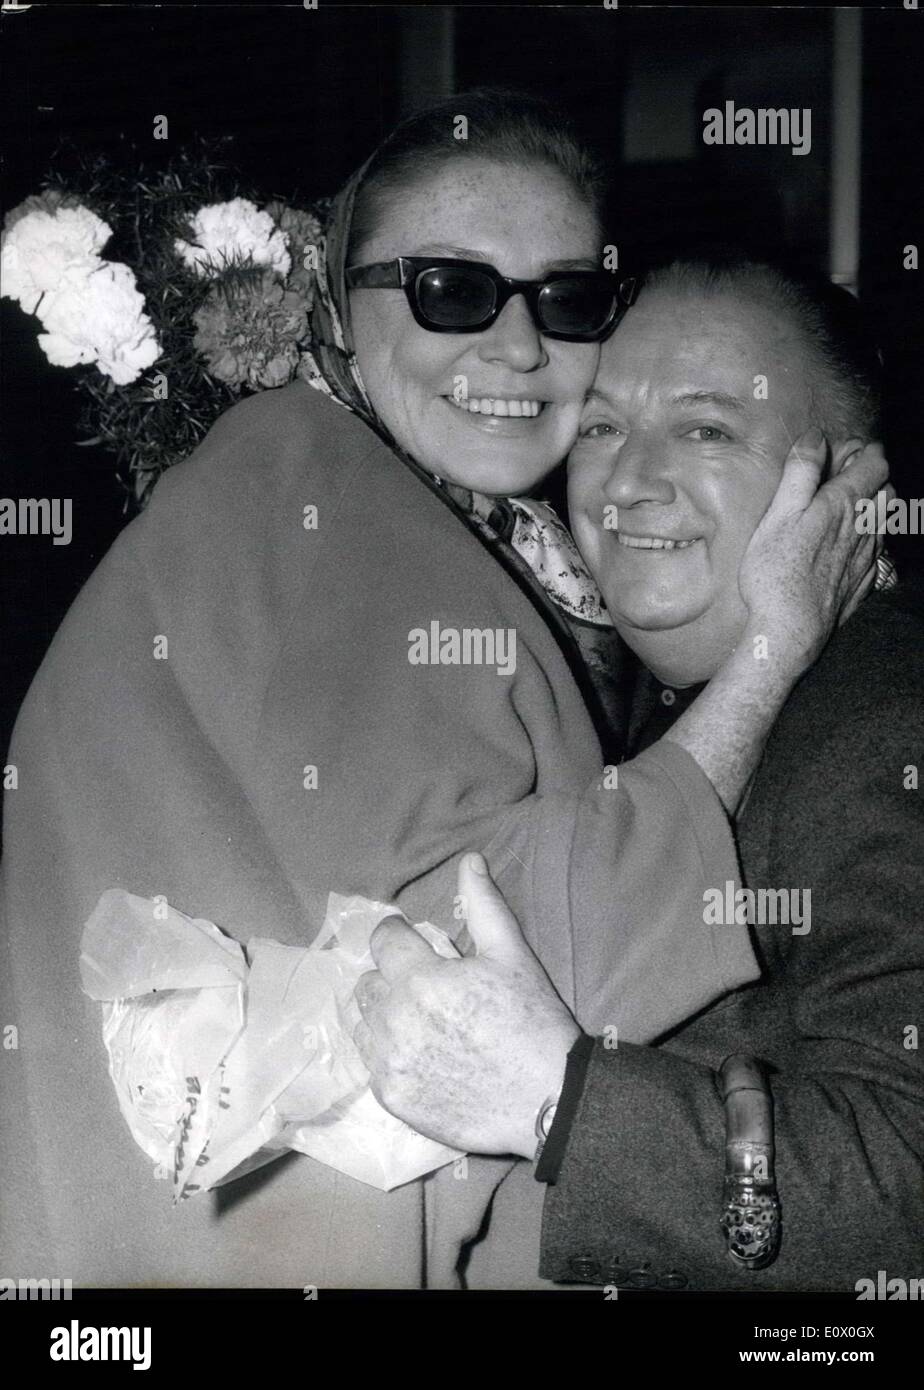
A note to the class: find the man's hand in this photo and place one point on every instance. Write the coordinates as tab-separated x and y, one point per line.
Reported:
464	1051
806	568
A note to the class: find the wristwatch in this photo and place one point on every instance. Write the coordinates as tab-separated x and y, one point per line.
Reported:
556	1114
544	1117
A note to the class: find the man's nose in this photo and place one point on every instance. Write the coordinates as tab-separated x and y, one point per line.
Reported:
513	338
640	473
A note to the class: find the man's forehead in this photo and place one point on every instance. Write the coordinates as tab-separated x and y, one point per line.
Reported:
699	349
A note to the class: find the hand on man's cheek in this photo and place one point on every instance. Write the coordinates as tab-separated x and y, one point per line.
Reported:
464	1051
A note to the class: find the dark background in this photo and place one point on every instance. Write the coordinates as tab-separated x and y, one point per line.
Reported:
307	94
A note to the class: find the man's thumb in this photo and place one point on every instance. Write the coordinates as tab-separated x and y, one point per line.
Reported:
491	925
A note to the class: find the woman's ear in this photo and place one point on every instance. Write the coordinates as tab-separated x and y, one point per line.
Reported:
843	453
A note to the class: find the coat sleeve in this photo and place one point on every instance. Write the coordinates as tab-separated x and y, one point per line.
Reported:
639	1190
610	886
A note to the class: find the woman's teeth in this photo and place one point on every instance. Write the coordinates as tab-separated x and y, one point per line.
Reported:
652	542
485	405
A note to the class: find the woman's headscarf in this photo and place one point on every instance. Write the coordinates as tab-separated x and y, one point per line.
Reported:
329	364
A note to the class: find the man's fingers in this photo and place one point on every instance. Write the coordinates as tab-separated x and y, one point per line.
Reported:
864	473
802	470
369	988
364	1042
397	948
491	925
887	494
859	594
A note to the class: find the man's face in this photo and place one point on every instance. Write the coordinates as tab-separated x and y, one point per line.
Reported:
676	436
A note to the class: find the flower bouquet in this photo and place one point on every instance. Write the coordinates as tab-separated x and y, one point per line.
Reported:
170	298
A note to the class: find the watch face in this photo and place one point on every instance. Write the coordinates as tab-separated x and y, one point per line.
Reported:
545	1122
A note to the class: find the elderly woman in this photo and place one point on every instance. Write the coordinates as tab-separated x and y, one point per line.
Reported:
263	695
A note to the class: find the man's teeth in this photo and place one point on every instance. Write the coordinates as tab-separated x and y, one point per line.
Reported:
485	405
651	542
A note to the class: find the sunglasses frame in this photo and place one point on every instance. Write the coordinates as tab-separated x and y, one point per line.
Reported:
404	272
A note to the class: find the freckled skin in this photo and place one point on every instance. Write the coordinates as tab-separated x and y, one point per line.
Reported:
522	220
670	472
465	1051
433	1010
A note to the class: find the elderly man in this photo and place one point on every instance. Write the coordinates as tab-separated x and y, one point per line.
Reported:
700	393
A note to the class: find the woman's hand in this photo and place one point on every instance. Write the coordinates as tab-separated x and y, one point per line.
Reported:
806	567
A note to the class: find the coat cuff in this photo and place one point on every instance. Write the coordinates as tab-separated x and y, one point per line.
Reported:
732	951
553	1150
639	1191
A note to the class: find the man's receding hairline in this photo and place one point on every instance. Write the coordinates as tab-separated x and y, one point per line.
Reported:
753	284
784	313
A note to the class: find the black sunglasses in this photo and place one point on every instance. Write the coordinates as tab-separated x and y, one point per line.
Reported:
451	296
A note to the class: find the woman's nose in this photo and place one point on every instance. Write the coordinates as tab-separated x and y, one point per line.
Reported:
513	338
640	473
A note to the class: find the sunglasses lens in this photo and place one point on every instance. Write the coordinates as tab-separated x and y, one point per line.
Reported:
579	307
455	297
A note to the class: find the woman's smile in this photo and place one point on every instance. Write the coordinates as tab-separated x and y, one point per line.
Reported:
499	417
504	407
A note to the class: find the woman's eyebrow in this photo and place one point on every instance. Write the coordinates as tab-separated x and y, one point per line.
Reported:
462	253
467	253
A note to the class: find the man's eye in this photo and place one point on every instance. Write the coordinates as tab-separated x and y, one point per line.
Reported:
601	430
709	433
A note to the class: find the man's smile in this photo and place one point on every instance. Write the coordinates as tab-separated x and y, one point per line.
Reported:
654	542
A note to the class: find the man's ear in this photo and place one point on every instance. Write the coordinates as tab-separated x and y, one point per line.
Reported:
842	453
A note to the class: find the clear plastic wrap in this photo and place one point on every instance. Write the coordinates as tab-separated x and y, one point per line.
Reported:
222	1059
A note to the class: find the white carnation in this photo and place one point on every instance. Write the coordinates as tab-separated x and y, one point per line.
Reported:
234	231
40	249
99	318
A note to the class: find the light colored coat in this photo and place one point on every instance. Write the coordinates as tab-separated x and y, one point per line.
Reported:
288	648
